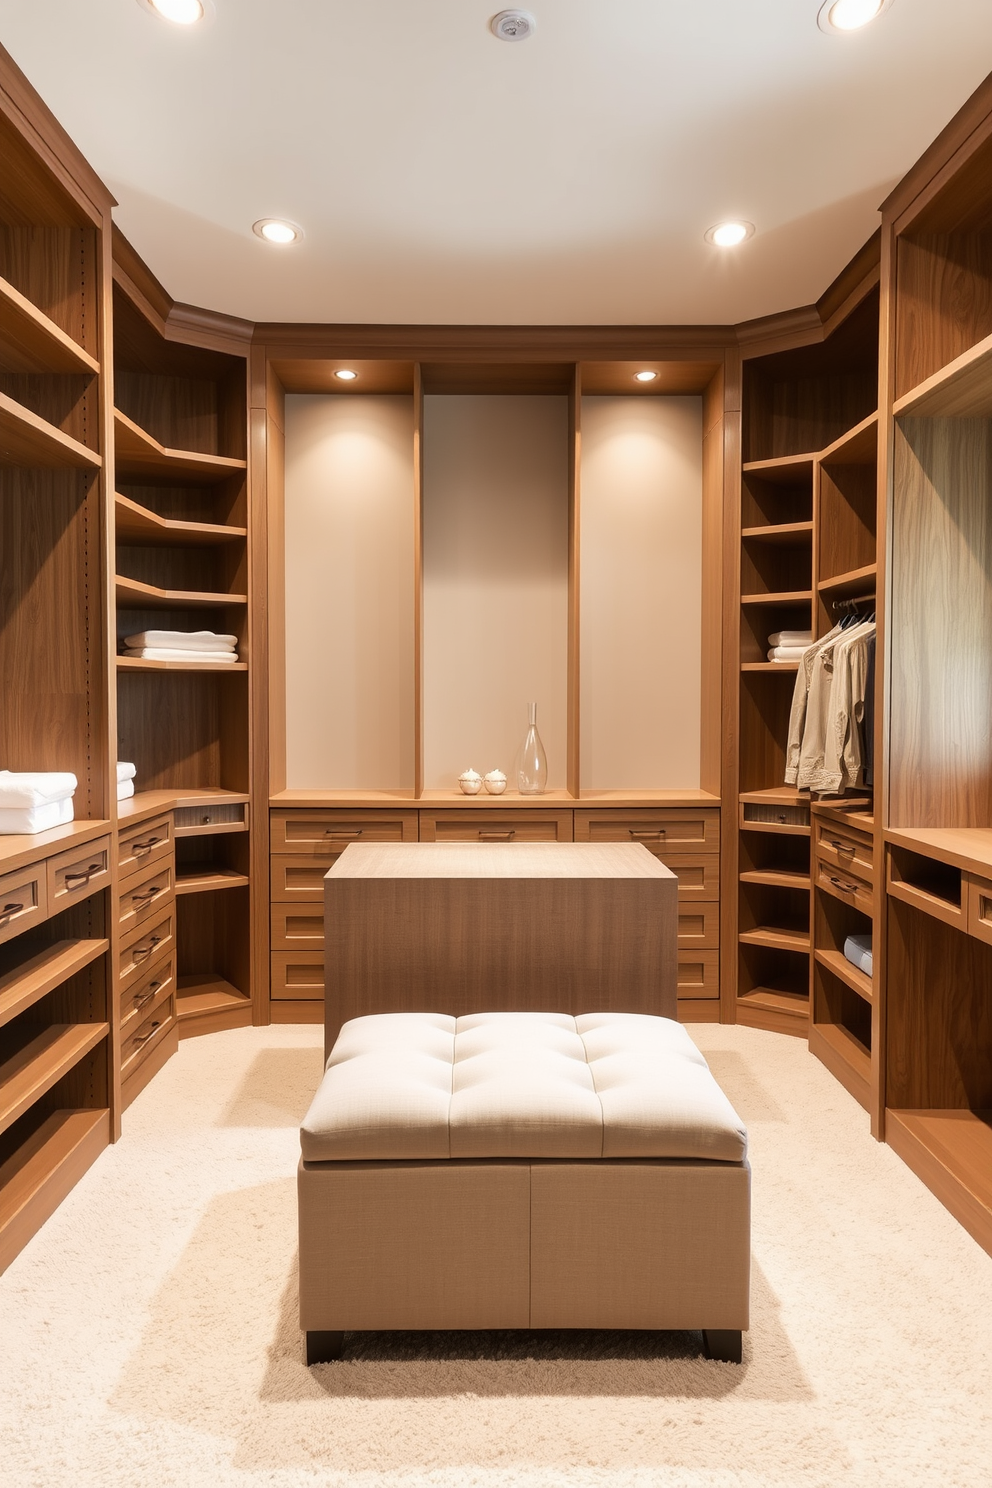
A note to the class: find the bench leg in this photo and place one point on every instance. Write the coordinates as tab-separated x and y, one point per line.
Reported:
723	1344
322	1348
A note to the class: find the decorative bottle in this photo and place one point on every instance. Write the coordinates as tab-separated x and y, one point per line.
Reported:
532	762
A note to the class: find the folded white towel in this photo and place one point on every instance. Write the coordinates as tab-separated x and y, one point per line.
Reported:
125	771
182	640
26	789
125	790
786	653
802	638
161	653
31	819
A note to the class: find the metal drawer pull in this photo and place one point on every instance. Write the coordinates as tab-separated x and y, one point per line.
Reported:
141	953
507	836
147	895
658	835
842	847
142	847
140	1000
83	876
142	1038
10	909
336	836
848	888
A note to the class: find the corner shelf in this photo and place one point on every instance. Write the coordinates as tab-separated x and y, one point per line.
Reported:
206	996
31	342
52	965
137	524
961	389
859	446
845	971
206	878
776	879
133	594
769	667
139	456
31	442
791	597
777	938
44	1169
140	664
848	585
32	1072
783	469
777	532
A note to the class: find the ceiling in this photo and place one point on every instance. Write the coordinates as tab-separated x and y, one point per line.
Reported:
443	176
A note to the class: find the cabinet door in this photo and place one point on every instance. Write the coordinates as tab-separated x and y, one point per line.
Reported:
505	824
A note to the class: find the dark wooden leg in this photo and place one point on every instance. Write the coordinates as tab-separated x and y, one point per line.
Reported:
724	1344
323	1347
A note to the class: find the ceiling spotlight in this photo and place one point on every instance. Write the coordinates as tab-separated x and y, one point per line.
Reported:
729	234
346	375
849	15
513	25
277	230
645	376
180	12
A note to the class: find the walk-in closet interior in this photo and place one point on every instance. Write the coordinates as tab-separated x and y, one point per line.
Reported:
483	518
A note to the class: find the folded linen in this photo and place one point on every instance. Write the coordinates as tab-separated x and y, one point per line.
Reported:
27	820
857	949
125	771
182	640
786	653
125	790
802	638
162	653
23	790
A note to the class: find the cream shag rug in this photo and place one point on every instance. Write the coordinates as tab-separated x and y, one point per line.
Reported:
148	1335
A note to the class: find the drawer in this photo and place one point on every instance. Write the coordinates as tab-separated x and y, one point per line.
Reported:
140	845
23	900
504	825
326	833
699	926
699	877
150	1032
75	874
141	895
845	885
979	892
656	829
200	821
145	943
147	992
298	976
843	847
698	973
297	880
297	925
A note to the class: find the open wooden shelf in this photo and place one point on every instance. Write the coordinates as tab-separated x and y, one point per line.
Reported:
784	469
41	973
200	996
141	664
852	976
962	389
791	597
30	342
29	441
139	456
845	1056
784	533
951	1152
770	666
772	1001
776	878
136	524
859	446
848	585
39	1175
27	1076
968	848
779	938
133	594
153	802
203	879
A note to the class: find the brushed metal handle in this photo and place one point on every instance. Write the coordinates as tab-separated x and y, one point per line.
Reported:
343	836
848	888
142	847
148	894
142	1038
507	836
83	876
141	953
657	835
140	1000
10	909
847	848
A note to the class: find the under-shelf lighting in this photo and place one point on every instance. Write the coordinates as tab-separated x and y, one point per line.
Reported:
180	12
849	15
277	230
729	234
346	374
645	376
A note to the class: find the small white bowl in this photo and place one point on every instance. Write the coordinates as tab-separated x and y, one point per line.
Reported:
495	782
470	783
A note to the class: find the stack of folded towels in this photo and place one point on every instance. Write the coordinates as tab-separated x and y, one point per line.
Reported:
789	645
33	802
125	780
182	645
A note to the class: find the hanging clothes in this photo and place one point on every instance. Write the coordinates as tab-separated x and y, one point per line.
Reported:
825	751
800	703
868	721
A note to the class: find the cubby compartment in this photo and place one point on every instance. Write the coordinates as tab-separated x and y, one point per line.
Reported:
213	961
777	503
184	729
935	887
771	915
760	621
847	522
205	863
775	858
834	921
776	984
776	567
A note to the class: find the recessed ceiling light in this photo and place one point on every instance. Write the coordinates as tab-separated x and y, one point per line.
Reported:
729	234
645	376
849	15
277	230
180	12
346	374
513	25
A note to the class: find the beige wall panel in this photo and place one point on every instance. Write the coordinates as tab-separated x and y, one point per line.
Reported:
495	582
640	593
349	592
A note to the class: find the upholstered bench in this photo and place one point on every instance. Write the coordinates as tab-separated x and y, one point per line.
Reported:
522	1170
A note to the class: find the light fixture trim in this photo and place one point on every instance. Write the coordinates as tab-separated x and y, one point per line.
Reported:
513	25
645	376
346	374
205	8
278	230
729	233
828	23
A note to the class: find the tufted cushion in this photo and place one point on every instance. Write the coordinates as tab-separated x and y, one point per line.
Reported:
525	1085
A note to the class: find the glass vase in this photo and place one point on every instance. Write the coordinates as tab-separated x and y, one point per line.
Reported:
532	762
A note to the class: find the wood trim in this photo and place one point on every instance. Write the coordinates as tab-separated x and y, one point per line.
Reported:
714	494
138	282
852	284
418	581
259	741
494	344
573	774
785	331
955	142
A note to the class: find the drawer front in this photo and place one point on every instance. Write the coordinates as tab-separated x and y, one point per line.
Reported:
136	1047
297	925
496	826
141	895
699	926
189	821
980	908
699	877
147	992
698	973
23	900
76	874
297	880
327	833
298	976
139	846
145	944
657	830
844	885
843	848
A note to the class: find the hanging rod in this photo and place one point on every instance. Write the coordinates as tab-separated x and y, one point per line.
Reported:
849	606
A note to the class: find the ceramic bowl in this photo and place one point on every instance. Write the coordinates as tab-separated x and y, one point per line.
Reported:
495	782
470	782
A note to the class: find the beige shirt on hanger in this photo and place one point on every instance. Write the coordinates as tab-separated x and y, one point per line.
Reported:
822	711
800	703
842	760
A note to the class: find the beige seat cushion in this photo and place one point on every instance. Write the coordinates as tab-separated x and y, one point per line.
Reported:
525	1085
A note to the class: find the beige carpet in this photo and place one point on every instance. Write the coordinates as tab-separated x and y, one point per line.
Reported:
148	1334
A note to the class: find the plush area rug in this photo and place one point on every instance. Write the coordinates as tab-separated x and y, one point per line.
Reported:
148	1334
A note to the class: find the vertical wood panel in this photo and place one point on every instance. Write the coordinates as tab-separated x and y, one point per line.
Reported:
574	693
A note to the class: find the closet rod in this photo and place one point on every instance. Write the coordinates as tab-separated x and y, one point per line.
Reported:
848	606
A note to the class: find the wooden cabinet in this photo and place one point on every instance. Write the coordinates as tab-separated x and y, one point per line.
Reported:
502	825
23	900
